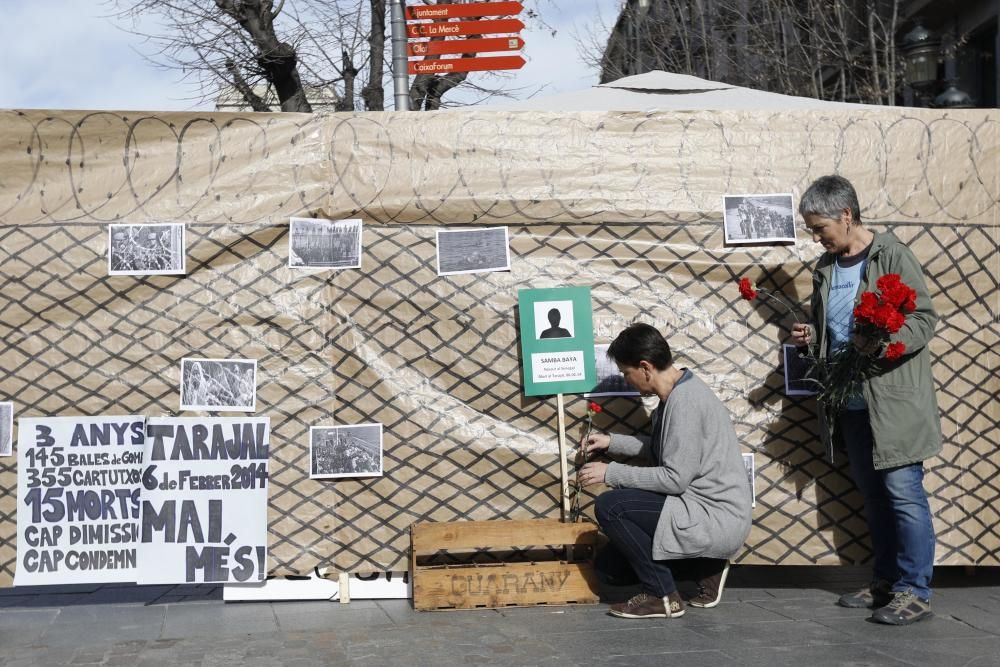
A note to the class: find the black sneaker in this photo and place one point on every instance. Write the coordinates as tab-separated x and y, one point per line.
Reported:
645	605
874	596
905	608
710	588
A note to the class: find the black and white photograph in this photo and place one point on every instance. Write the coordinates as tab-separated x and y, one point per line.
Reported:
610	381
6	428
315	243
554	319
146	250
759	218
748	463
797	381
472	251
345	451
219	384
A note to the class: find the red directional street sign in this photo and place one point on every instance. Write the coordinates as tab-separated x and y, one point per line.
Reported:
464	11
463	27
465	65
464	46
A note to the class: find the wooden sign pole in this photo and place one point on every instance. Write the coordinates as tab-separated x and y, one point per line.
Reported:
563	469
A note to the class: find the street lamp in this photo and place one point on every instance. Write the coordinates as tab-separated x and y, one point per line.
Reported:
921	49
953	98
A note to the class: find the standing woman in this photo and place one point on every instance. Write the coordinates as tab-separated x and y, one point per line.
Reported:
893	426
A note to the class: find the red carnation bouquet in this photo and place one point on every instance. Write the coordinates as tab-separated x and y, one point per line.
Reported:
878	316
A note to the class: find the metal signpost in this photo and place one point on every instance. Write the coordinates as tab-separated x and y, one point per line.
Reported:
400	78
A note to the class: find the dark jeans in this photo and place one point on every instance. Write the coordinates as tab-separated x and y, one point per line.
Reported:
899	517
629	517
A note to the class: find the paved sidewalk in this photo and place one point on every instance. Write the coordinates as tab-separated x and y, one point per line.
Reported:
770	616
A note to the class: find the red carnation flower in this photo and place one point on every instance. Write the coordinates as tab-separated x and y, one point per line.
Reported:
886	318
888	282
594	407
747	289
894	321
892	297
894	351
865	311
897	296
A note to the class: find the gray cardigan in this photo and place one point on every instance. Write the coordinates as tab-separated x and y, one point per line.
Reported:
708	508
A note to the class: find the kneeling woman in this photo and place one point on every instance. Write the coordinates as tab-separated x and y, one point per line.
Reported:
692	500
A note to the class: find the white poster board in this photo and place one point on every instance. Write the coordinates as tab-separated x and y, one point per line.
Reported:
78	499
204	500
6	428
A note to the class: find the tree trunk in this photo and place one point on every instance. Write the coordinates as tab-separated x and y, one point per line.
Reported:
890	52
706	46
255	101
876	76
428	89
373	93
350	73
276	59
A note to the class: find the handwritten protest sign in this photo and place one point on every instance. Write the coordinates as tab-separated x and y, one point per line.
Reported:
78	499
204	500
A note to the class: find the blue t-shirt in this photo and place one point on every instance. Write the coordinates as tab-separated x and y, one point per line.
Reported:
847	272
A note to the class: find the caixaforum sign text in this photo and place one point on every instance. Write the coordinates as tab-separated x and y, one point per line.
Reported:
466	65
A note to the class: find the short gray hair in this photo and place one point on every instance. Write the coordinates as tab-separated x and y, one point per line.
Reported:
828	196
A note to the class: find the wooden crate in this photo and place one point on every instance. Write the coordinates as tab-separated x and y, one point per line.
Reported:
503	584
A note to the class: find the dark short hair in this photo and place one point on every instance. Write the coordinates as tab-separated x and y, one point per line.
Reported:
641	342
828	196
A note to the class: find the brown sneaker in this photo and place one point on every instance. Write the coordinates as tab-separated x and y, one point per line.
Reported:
645	605
874	596
710	588
905	608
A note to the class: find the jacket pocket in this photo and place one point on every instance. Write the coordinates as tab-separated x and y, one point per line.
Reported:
904	423
898	391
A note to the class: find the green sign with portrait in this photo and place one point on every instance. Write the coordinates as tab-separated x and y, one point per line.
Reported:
557	341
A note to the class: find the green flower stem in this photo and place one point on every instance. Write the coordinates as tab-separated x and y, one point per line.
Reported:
581	459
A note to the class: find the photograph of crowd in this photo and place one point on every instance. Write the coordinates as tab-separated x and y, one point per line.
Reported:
6	428
473	251
797	367
219	384
759	218
146	250
610	381
324	244
345	451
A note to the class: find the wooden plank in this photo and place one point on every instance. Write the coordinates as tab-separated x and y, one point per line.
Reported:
428	538
345	587
509	584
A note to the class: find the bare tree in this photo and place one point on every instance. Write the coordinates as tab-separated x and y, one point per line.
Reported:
828	49
285	52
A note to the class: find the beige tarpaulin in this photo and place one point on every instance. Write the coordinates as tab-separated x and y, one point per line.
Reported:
668	91
627	203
